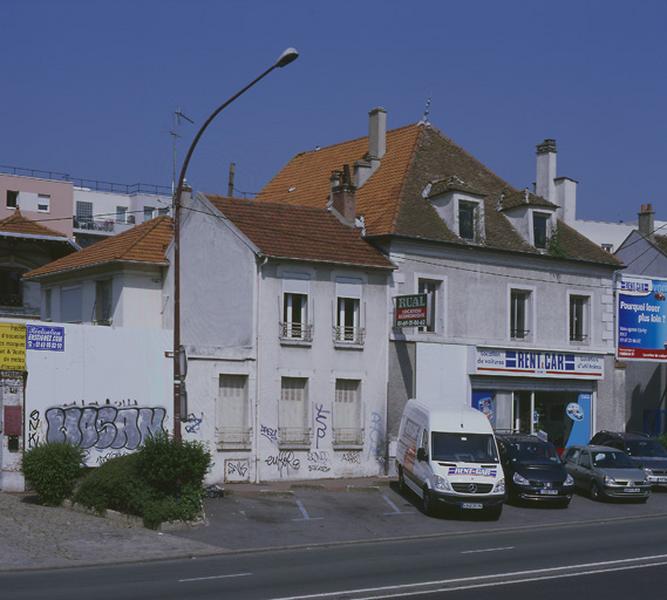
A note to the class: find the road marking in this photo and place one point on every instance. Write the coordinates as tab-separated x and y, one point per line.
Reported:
470	582
214	577
488	550
395	509
304	513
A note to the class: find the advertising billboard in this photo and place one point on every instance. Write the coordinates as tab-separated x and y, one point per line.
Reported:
411	311
642	318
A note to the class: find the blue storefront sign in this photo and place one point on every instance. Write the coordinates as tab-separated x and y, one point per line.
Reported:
40	337
642	319
485	401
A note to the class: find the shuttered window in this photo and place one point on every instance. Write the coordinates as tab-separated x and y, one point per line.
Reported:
347	414
293	411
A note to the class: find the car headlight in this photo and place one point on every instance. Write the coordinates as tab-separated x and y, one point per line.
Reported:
499	488
609	480
442	484
520	479
569	480
649	472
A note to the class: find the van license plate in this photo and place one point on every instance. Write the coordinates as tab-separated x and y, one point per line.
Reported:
631	490
549	492
472	505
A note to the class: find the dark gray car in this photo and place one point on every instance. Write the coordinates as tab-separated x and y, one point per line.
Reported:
605	472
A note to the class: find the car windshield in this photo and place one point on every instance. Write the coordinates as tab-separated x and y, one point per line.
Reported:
464	447
612	460
646	448
533	452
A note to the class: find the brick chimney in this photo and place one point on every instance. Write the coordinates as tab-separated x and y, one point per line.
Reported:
646	221
546	170
342	201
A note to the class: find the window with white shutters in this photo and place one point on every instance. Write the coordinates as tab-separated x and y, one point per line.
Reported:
347	413
295	325
232	418
293	412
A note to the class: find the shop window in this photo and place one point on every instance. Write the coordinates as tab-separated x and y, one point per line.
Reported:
520	313
232	413
579	307
293	412
347	414
433	290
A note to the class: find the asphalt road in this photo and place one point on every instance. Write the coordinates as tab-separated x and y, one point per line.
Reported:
622	558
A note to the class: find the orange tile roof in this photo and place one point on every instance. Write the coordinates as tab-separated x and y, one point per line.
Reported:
300	233
17	223
145	243
308	173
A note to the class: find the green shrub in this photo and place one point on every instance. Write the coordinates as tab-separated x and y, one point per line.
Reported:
169	465
161	482
115	485
52	470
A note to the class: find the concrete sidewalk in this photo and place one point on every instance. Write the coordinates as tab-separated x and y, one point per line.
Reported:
287	487
41	537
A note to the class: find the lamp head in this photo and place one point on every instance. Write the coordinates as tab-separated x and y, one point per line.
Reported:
288	56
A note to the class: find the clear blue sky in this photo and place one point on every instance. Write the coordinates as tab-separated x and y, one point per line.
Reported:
88	87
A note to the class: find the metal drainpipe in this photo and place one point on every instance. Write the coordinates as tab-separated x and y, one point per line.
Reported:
257	368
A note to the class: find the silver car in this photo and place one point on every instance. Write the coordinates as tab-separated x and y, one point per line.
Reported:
605	472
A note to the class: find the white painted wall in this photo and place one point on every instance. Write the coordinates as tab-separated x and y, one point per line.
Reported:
442	380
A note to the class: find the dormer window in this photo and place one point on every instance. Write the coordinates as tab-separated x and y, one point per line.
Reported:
540	230
467	219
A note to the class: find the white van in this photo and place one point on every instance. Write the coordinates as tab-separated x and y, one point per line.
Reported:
449	457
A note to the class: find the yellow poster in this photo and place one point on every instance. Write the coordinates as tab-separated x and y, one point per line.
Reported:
12	347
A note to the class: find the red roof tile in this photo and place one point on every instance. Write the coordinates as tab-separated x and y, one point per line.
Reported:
17	223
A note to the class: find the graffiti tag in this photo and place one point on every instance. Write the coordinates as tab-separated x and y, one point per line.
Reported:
376	437
269	433
352	457
285	461
193	422
318	460
33	429
321	416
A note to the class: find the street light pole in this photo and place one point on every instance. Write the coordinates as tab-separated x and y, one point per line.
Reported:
284	59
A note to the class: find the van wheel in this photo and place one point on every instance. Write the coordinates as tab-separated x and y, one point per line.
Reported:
402	487
427	503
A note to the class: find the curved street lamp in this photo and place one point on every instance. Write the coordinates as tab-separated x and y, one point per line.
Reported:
288	56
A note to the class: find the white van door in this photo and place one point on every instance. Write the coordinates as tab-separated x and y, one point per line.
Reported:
423	467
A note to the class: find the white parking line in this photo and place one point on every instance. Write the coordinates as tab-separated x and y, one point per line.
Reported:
488	550
472	582
214	577
304	512
396	510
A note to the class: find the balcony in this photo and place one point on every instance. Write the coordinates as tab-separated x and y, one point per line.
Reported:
296	334
352	337
99	226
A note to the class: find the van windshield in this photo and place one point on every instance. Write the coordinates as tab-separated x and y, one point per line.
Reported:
464	447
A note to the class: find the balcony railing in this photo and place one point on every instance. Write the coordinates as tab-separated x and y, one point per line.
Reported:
349	335
296	332
294	436
233	437
109	226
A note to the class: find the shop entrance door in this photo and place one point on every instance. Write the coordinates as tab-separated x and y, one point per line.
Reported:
523	408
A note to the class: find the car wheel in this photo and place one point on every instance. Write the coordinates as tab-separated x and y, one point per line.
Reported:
595	492
402	487
427	502
494	512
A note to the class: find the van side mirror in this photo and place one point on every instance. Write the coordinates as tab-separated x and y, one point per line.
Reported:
421	454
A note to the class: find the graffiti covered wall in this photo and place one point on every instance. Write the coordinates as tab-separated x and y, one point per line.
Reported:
106	391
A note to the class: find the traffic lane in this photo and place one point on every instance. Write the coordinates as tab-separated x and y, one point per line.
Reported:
328	570
240	522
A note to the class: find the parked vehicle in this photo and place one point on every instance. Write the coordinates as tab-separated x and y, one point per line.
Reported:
606	472
449	458
533	470
646	452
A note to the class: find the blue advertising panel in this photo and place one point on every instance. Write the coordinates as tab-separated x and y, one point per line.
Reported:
485	401
642	319
579	413
40	337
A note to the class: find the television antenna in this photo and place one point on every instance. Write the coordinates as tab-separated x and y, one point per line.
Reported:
178	116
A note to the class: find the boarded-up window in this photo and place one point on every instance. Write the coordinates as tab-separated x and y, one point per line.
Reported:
347	414
232	412
293	413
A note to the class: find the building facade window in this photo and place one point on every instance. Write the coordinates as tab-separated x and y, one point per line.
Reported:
433	290
70	304
295	325
43	202
347	321
520	313
48	304
467	216
121	214
347	414
11	292
149	212
607	248
293	429
232	413
103	303
578	326
84	214
164	211
540	230
12	199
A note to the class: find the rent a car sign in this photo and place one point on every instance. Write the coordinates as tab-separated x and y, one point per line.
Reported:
520	363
